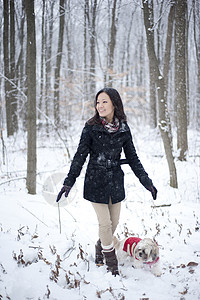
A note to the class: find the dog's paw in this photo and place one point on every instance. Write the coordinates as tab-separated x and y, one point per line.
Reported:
157	273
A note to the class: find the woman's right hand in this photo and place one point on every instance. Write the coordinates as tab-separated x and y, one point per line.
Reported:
65	189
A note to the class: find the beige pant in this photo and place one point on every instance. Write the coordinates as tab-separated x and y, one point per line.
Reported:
108	218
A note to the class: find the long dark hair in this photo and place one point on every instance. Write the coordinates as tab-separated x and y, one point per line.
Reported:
117	103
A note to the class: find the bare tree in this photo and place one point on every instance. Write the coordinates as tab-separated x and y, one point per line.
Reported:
58	62
9	66
112	41
85	75
48	46
128	50
162	102
90	12
69	47
13	94
196	18
20	64
180	78
43	50
31	97
6	67
152	84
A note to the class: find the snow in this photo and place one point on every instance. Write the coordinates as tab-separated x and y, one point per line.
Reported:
37	261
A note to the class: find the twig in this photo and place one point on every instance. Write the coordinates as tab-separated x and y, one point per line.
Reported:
56	129
12	83
59	217
33	214
12	179
163	205
70	214
3	147
36	247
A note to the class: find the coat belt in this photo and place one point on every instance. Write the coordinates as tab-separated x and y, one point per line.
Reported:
109	163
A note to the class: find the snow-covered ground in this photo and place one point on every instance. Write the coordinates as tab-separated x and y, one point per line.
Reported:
43	256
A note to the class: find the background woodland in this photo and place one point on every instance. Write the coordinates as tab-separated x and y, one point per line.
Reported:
56	54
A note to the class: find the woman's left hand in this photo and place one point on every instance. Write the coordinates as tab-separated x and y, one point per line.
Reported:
153	191
147	183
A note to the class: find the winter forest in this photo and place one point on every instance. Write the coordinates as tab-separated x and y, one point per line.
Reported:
55	56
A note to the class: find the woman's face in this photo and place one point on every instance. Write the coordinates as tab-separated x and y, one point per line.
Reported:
105	107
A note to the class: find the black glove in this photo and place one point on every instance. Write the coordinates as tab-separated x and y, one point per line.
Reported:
153	191
65	189
147	183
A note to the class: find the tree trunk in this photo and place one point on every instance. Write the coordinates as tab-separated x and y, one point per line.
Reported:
21	66
162	105
92	49
153	108
6	67
31	97
85	75
43	50
196	18
112	42
167	53
20	61
13	94
9	67
69	53
127	50
168	45
180	78
48	43
58	64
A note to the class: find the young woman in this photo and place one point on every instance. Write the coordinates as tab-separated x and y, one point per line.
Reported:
103	138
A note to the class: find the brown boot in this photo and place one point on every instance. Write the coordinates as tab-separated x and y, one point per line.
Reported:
98	254
111	261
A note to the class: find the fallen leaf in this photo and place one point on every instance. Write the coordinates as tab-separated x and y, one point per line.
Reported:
184	292
181	266
192	264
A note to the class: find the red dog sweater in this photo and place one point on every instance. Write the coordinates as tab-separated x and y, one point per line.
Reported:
130	244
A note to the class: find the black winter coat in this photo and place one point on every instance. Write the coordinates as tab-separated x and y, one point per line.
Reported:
104	177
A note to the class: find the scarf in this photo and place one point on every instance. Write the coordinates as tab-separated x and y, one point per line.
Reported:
111	127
